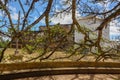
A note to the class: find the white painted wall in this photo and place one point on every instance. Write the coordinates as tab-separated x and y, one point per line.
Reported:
92	24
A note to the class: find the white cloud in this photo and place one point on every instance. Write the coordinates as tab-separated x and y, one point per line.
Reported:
115	34
66	3
63	18
14	16
35	18
104	4
114	29
0	13
13	9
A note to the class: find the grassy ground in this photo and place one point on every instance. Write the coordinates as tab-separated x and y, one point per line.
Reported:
10	56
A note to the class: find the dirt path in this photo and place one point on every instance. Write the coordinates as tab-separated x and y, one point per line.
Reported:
77	77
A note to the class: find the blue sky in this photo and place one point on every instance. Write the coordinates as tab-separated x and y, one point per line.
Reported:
61	18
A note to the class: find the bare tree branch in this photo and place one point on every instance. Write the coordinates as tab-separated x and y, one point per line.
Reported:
41	17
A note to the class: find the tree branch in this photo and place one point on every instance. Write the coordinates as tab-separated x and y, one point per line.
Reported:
25	19
41	17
